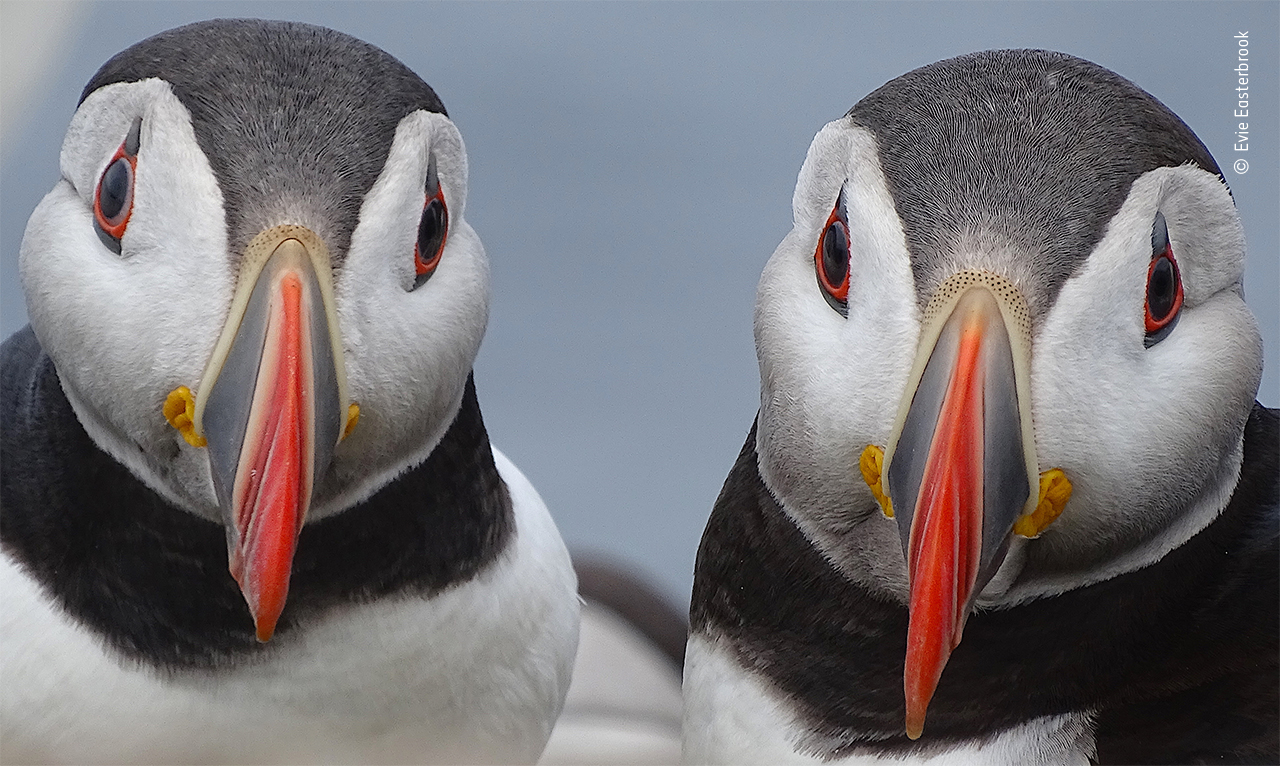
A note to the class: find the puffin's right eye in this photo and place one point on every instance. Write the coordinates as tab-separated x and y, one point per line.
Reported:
113	199
831	259
433	230
1164	286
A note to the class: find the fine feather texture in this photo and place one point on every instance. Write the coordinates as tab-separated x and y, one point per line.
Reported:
1032	149
293	117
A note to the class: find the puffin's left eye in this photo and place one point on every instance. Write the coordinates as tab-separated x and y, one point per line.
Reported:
433	230
831	259
1164	286
113	199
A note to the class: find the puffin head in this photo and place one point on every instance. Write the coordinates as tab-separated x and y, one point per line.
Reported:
1004	350
255	279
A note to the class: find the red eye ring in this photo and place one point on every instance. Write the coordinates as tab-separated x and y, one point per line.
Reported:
421	267
833	252
433	232
1163	276
114	226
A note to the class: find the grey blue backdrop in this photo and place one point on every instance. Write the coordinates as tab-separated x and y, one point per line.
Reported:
631	171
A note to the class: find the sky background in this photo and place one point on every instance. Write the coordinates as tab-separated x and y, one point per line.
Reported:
632	166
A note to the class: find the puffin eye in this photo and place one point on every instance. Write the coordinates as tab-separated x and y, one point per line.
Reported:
115	191
433	229
113	199
1164	286
831	259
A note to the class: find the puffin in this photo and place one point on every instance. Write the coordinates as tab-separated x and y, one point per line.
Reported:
1008	497
250	510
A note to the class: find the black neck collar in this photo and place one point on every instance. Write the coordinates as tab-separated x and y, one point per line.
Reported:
152	579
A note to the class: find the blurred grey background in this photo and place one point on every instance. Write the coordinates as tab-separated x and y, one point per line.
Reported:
631	170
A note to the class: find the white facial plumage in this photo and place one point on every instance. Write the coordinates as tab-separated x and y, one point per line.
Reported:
126	329
1141	432
1152	438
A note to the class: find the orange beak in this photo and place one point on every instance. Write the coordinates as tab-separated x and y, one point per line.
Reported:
272	411
959	472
